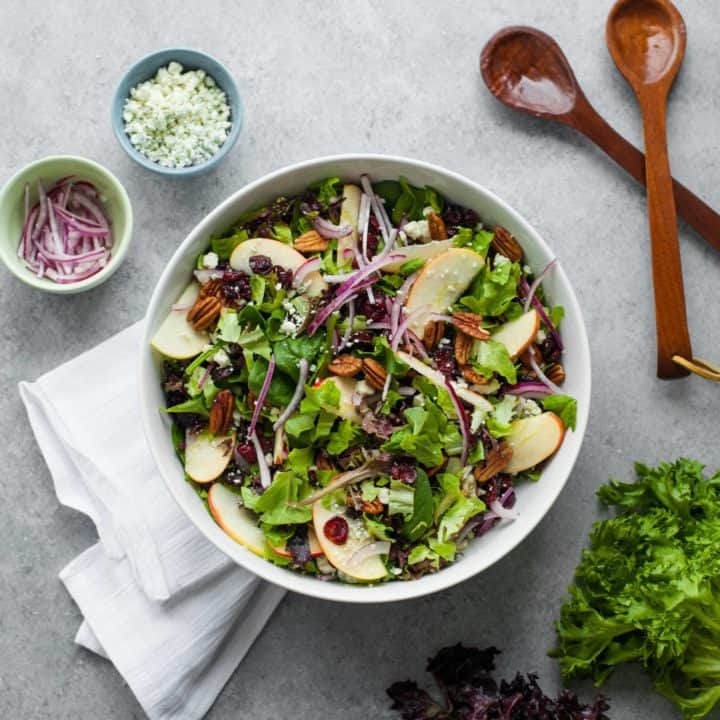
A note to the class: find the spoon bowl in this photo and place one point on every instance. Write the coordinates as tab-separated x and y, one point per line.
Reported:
647	40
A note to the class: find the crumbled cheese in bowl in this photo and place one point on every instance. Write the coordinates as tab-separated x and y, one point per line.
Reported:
177	119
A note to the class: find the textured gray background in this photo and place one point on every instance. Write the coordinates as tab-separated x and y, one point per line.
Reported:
320	78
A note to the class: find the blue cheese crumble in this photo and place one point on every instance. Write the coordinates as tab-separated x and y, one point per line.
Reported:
177	118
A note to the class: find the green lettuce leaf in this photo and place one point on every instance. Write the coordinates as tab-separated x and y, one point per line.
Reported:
273	505
564	406
421	519
492	357
493	289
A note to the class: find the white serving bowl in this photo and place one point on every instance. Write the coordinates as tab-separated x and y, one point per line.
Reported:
533	499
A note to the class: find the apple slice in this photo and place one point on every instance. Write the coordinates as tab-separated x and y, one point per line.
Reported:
516	335
421	251
346	408
349	212
238	522
440	283
435	376
315	549
176	338
533	440
281	254
206	456
341	557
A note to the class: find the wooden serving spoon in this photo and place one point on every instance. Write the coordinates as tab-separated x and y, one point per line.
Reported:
646	39
526	70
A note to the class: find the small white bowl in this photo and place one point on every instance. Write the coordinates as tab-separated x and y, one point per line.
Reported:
533	499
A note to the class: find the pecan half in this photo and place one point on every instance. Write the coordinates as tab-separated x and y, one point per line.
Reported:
345	366
212	288
372	507
221	413
495	463
463	348
375	373
436	225
470	324
204	312
311	241
556	373
433	333
504	243
472	376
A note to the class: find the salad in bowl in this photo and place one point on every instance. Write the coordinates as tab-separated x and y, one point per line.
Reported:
359	375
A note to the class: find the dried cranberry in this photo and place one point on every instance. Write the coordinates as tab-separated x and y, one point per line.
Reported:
445	361
235	352
336	530
362	337
188	420
491	491
261	264
373	311
220	374
247	452
237	289
284	277
549	349
403	471
312	476
299	546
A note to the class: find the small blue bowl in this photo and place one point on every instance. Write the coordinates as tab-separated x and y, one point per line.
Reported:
146	68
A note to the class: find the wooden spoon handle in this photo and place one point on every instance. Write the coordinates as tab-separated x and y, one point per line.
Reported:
700	216
670	316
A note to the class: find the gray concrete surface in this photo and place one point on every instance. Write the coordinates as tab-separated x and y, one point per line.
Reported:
319	78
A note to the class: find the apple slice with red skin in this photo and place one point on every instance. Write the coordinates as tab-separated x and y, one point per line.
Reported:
440	283
238	522
176	338
281	254
517	335
206	455
341	556
315	549
534	439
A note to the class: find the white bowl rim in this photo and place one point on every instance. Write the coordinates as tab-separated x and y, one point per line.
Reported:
305	584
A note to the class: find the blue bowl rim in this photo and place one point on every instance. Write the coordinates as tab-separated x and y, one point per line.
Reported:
236	109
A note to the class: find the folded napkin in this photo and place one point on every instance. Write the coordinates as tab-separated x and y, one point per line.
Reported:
165	606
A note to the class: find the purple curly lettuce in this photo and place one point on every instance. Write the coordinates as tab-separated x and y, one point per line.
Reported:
464	676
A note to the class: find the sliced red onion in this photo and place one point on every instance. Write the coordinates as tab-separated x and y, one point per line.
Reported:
536	284
83	225
532	390
204	377
370	550
543	377
346	290
389	245
265	476
329	230
312	265
463	419
403	326
375	204
297	395
419	345
92	207
263	393
502	512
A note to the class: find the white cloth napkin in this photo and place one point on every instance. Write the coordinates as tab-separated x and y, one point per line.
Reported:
170	611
